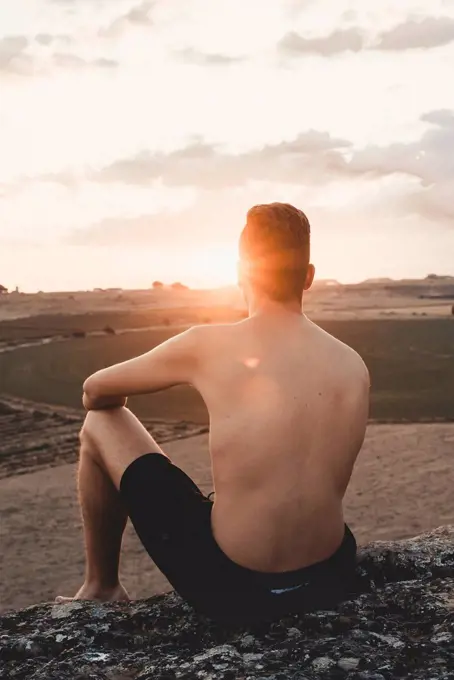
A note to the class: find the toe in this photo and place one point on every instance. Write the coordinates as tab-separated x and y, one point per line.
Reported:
63	600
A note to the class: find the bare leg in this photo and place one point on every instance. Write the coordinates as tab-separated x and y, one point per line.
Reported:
104	520
110	441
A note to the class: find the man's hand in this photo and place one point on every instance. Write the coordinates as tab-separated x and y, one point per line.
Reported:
100	403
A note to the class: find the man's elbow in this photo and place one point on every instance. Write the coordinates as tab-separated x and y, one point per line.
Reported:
96	397
92	387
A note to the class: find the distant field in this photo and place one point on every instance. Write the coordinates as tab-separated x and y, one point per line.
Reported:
50	325
411	365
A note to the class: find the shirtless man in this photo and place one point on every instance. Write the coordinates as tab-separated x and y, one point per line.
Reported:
288	407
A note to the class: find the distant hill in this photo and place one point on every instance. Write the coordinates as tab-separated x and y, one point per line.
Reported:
327	282
428	280
379	280
436	277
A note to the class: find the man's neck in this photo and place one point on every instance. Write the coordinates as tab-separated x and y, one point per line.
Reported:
267	307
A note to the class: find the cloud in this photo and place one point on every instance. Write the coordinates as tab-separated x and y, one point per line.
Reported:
313	158
349	16
421	172
414	34
347	40
139	16
72	61
425	33
294	8
153	229
210	217
310	157
430	161
18	58
190	55
46	39
12	54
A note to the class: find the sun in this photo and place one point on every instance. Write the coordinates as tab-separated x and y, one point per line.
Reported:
213	266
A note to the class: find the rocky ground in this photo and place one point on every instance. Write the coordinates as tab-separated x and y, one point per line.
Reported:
398	624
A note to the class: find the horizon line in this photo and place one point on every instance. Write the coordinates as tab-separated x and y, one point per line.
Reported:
198	288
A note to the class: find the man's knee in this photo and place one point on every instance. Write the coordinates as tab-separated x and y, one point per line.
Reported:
87	427
94	422
114	439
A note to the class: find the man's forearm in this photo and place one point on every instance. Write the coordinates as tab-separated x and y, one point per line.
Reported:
100	403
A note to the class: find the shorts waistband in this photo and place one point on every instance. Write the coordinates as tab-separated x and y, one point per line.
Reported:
342	559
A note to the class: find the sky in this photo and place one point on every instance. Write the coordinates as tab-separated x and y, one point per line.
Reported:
134	136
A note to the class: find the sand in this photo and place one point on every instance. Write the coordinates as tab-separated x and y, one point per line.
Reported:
402	485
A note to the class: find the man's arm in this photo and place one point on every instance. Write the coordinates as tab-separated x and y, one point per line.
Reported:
174	362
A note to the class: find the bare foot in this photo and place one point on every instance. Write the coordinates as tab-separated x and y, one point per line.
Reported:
117	594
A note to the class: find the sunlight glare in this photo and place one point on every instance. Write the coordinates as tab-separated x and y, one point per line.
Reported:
210	266
251	362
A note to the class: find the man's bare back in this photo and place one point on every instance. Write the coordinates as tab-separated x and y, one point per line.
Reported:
288	407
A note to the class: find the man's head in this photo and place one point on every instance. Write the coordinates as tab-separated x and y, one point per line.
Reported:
275	252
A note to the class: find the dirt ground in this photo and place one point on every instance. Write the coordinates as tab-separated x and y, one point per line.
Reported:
35	435
402	486
411	364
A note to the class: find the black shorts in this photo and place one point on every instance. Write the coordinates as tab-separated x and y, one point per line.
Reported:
173	521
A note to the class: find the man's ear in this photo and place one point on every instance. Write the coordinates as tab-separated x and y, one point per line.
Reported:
309	277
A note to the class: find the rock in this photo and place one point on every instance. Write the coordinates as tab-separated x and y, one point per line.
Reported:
348	664
322	663
399	623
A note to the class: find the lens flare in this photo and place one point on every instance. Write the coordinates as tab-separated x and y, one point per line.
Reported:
251	362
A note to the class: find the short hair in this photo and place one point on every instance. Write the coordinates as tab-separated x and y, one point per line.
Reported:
275	248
